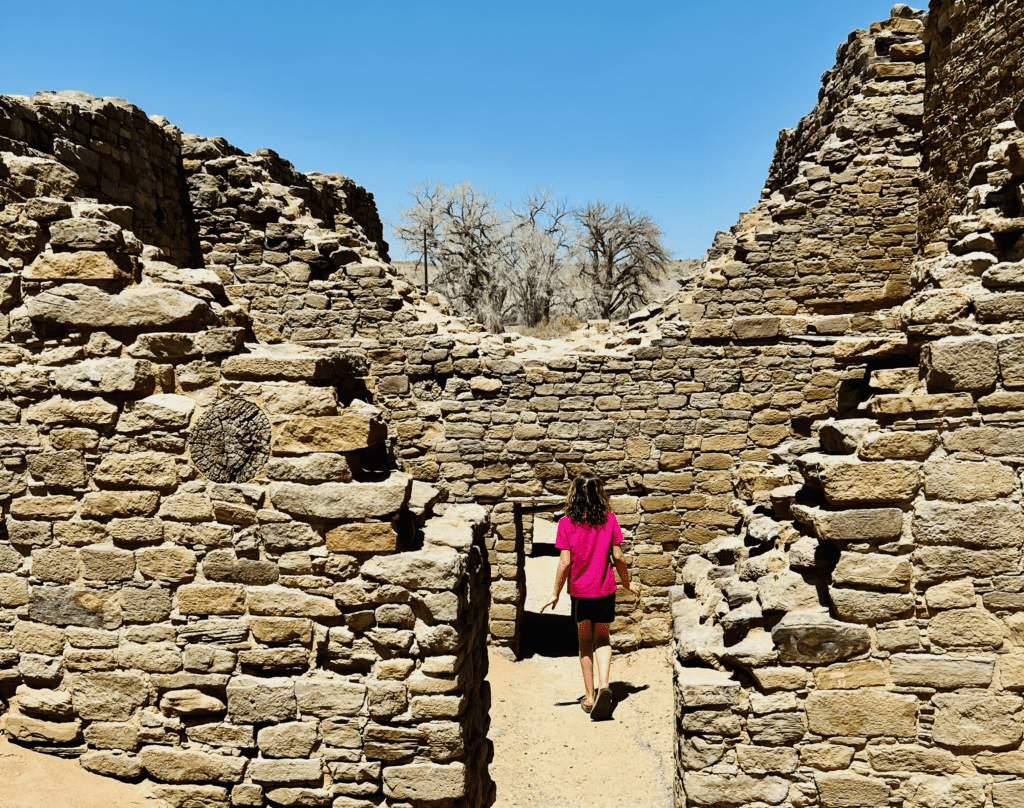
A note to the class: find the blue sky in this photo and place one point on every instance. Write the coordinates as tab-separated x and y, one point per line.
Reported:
669	107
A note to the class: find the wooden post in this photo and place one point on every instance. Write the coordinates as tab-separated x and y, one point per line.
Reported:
426	279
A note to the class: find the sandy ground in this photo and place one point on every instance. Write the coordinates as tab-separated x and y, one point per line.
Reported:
547	751
33	780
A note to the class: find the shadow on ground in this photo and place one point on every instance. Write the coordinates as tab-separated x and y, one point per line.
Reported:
548	635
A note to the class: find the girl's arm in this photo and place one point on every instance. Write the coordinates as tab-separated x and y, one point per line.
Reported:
564	562
623	570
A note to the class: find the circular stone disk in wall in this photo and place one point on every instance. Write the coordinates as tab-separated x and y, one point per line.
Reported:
231	442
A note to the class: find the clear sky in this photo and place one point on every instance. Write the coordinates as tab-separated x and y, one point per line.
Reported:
669	107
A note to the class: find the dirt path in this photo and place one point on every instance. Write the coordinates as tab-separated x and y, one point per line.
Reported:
547	751
32	780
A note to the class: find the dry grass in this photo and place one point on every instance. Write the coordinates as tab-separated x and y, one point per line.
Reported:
549	329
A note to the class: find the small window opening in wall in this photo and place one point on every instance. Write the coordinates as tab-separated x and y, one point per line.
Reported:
553	633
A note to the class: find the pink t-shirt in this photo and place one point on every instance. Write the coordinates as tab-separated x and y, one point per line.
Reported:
592	574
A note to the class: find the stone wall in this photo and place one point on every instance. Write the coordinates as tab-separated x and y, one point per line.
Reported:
860	643
974	83
211	571
118	157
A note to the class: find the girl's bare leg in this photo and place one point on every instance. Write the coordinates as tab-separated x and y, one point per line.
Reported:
602	653
585	631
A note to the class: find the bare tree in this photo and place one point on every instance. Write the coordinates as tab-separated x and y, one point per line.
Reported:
539	260
622	254
525	264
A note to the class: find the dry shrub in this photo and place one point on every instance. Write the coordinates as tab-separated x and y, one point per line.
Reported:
549	329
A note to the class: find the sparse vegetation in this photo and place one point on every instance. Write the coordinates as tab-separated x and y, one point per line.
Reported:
557	327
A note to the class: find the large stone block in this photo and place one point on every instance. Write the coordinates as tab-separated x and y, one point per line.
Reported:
179	766
861	606
295	363
77	305
211	599
355	428
317	467
172	564
942	672
852	481
715	791
911	758
422	569
870	713
992	441
34	730
254	700
873	569
74	606
1008	795
966	482
85	265
961	363
343	500
108	696
363	537
816	638
286	770
165	411
785	591
849	790
279	601
977	721
426	782
294	739
329	698
930	791
945	563
977	524
137	470
965	628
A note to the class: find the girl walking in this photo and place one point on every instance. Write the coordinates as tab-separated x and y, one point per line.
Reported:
589	537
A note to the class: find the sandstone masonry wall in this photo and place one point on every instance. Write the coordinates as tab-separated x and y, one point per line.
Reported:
211	572
974	83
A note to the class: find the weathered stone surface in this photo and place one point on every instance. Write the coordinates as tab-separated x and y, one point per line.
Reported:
211	599
253	700
961	363
74	304
190	701
422	569
851	482
849	790
849	675
34	730
965	628
988	722
713	790
108	696
979	524
944	563
786	591
295	739
860	606
278	601
870	713
943	672
82	265
815	637
74	606
966	482
286	770
179	766
858	524
356	427
362	537
343	500
328	698
112	764
425	781
137	470
317	467
912	758
173	564
992	441
956	791
873	569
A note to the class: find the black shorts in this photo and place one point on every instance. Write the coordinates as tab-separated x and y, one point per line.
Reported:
597	610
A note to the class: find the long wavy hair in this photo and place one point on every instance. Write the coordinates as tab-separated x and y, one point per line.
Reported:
587	503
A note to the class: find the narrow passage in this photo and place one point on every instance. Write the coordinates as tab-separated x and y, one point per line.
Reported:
547	751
